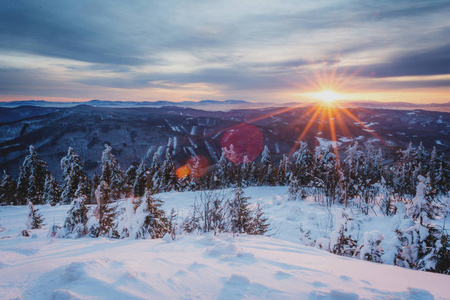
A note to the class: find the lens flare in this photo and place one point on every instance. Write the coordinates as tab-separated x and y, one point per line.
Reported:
196	166
243	142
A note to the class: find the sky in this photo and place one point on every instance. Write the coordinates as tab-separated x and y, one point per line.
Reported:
273	51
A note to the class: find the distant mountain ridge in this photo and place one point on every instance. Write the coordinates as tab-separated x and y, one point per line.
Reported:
223	105
110	103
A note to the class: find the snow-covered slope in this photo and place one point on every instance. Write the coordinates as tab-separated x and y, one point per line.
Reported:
201	267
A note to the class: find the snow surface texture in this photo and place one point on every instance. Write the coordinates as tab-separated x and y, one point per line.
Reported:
203	267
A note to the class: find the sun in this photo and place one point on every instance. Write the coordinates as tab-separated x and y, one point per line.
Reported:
327	96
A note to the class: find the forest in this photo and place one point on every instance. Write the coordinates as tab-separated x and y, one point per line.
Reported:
415	187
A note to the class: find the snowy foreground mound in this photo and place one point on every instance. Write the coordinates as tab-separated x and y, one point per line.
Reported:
198	267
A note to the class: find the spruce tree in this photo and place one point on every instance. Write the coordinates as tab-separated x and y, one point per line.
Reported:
302	162
7	189
111	173
154	223
283	174
327	173
73	175
239	214
30	186
76	219
130	178
35	219
52	192
423	206
169	176
104	211
258	224
266	171
140	182
22	188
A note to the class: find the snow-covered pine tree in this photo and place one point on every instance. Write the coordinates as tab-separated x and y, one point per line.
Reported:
341	243
370	247
302	163
259	223
266	172
155	175
246	172
439	173
104	211
435	254
169	176
240	217
83	188
34	170
22	188
154	223
52	192
423	207
362	175
140	181
76	219
130	178
73	174
92	188
111	173
413	163
327	173
283	174
173	224
222	172
294	191
7	189
34	219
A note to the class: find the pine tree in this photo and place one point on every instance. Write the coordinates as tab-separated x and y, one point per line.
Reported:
294	191
76	219
140	181
73	175
104	211
362	175
259	224
247	176
30	186
341	243
423	207
283	174
239	213
22	188
130	178
169	176
370	247
327	173
266	171
111	173
222	172
7	189
154	223
439	173
155	175
302	163
35	219
52	192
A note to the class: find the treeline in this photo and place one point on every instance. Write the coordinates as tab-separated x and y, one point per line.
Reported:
358	174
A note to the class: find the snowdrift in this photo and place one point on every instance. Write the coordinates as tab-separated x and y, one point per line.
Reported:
200	267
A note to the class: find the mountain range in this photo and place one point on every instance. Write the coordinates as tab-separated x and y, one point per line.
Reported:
137	133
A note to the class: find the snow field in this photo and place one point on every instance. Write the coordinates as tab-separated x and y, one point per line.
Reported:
203	267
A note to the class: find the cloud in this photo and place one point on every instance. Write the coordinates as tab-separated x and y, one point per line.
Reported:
434	61
235	46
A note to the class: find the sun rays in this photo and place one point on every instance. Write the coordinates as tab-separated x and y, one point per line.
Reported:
328	115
